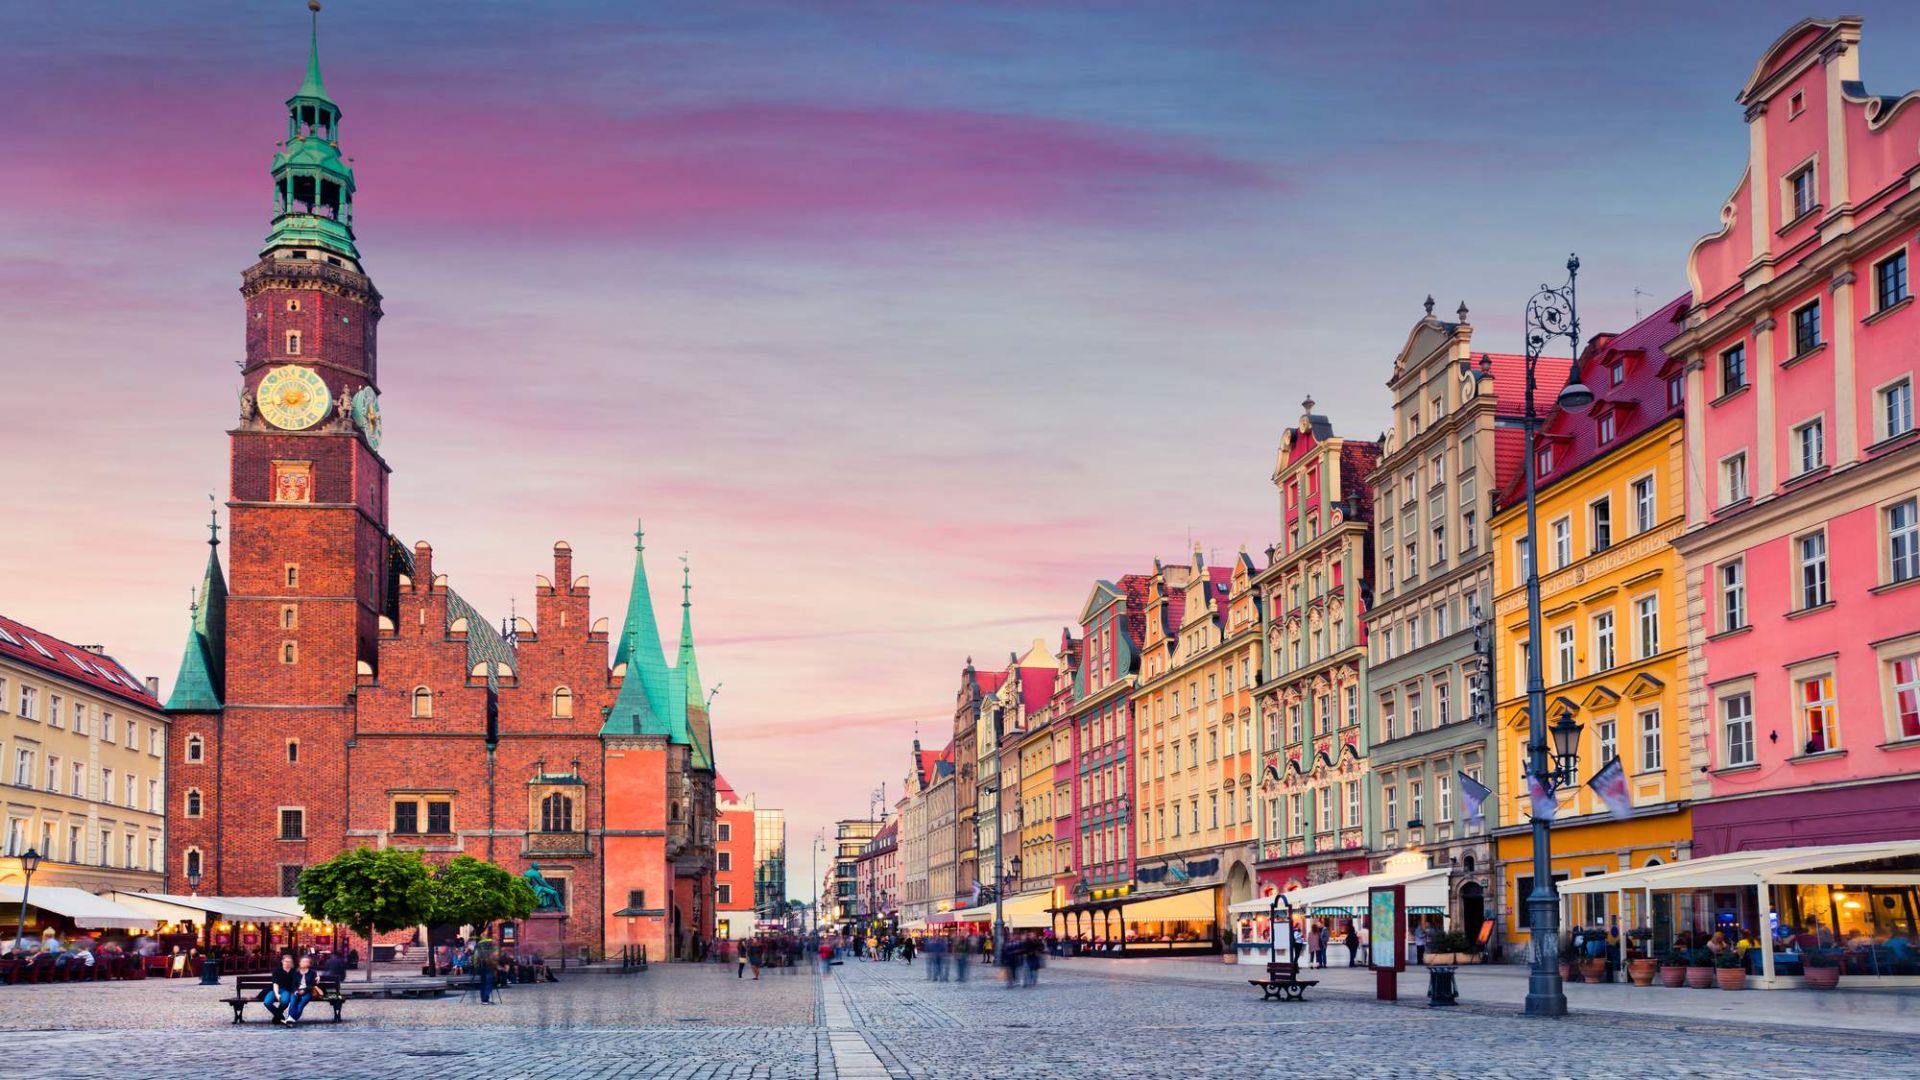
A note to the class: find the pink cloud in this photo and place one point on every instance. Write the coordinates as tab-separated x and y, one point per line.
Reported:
748	169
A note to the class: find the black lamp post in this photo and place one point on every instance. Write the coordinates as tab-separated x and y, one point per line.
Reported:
1550	314
28	863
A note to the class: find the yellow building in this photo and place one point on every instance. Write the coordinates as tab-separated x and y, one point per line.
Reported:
1039	851
83	747
1610	501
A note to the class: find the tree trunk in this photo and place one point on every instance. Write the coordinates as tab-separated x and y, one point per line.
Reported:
369	936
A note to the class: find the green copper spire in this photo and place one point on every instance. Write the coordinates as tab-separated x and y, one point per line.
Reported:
644	705
313	86
687	679
201	682
312	184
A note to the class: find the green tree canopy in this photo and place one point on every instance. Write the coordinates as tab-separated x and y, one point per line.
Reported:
371	890
469	892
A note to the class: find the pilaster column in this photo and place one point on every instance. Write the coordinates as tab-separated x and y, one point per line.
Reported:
1765	438
1846	441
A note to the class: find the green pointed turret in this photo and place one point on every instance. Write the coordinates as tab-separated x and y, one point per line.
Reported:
698	731
312	184
644	705
200	685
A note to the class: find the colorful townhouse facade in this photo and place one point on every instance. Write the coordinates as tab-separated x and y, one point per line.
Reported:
1038	847
733	863
1443	461
1314	770
1194	728
1611	499
1093	820
1802	531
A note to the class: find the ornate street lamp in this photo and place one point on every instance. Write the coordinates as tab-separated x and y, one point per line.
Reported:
29	863
1551	314
1566	745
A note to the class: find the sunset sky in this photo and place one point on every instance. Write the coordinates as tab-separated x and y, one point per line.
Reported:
904	321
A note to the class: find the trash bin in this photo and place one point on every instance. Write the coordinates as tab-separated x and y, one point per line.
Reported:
1441	989
209	972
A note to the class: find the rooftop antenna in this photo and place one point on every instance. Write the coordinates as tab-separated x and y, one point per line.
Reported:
1637	294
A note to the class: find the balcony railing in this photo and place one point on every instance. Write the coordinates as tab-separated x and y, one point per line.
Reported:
555	844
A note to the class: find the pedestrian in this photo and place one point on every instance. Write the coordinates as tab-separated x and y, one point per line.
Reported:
740	963
756	956
962	946
336	968
906	950
1420	939
1366	946
1299	943
1320	935
1034	959
1353	944
306	988
489	968
278	996
826	958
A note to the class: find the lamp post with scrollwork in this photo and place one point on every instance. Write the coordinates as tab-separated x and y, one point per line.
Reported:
1551	314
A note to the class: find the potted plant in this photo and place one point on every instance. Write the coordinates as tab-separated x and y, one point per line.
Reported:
1730	970
1569	962
1821	968
1452	947
1700	969
1230	953
1673	968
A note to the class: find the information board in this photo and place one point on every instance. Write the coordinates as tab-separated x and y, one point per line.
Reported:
1387	928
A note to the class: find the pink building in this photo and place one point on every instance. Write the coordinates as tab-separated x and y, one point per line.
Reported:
1112	622
1803	469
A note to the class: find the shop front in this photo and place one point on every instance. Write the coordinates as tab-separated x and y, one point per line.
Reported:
1811	914
1172	922
1585	847
1340	905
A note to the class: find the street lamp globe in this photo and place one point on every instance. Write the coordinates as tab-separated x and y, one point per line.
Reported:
1575	395
30	861
1566	744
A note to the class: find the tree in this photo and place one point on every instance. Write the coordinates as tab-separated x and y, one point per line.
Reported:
370	890
470	892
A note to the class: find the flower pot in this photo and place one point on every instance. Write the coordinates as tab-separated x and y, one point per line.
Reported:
1822	978
1731	978
1594	970
1673	976
1699	978
1641	971
1566	971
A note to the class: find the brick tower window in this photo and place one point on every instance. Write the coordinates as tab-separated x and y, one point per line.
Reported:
293	751
556	813
293	823
422	702
289	652
293	343
293	575
562	701
289	617
293	305
196	748
193	802
290	880
192	862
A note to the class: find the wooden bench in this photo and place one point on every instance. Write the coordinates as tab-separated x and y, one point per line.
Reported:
1283	983
247	990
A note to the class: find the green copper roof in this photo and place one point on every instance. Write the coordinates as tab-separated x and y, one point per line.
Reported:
201	682
313	183
485	643
645	703
693	712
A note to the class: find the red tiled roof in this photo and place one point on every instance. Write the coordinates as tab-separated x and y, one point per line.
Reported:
1137	587
1639	403
930	763
722	789
989	680
1510	399
21	642
1036	688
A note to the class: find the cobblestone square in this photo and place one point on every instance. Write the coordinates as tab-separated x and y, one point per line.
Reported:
886	1020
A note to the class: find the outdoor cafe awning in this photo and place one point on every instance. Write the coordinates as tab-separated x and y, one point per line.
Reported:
1348	896
84	908
171	906
1883	863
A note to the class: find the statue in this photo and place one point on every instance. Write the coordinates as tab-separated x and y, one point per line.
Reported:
546	897
246	405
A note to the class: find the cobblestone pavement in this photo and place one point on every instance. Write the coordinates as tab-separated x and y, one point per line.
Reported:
884	1022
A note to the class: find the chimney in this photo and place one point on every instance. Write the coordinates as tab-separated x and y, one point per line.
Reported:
97	650
153	687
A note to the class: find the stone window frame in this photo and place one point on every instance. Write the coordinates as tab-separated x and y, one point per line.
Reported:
1798	675
1904	647
195	750
1723	693
420	703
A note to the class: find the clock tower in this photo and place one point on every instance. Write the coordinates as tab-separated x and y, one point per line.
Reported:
308	513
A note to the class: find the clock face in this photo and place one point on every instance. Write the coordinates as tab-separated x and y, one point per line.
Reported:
366	415
292	398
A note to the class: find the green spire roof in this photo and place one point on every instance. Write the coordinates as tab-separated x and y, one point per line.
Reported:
201	681
687	678
313	86
644	705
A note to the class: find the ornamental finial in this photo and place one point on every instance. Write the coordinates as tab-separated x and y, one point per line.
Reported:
1462	313
1429	305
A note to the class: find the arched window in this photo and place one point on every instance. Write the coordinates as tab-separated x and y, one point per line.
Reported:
422	701
193	862
193	802
556	813
196	748
289	652
562	701
676	811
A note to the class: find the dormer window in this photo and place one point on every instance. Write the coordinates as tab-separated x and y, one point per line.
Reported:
1617	371
1606	429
